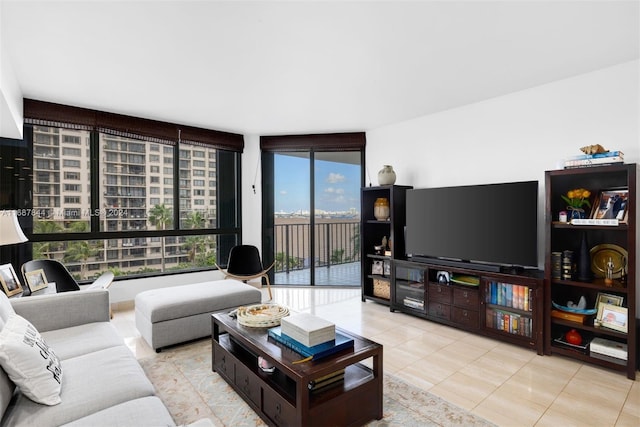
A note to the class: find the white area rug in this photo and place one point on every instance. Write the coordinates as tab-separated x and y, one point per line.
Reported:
184	381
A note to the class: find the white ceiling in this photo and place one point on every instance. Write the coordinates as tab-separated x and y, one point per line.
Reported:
275	67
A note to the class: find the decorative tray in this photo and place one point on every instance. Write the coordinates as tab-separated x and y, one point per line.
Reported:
603	254
261	315
562	340
588	311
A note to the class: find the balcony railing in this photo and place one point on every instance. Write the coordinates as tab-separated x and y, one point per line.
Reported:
335	243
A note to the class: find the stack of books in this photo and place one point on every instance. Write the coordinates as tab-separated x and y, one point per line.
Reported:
311	336
308	329
599	159
610	350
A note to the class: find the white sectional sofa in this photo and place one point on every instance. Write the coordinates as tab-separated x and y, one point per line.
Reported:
101	383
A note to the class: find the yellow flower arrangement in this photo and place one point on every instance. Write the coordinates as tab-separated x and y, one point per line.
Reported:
577	198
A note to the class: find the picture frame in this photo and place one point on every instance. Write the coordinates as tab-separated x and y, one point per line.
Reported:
614	317
611	204
36	280
604	298
9	280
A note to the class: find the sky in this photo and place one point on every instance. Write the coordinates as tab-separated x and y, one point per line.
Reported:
337	185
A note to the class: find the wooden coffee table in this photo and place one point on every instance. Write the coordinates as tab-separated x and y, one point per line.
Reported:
282	398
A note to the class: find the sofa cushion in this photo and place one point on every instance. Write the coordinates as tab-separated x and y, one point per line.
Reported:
30	363
92	382
6	385
176	302
78	340
6	309
146	411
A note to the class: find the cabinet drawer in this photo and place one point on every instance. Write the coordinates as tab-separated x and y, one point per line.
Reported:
467	318
440	293
223	362
465	298
437	309
281	412
247	383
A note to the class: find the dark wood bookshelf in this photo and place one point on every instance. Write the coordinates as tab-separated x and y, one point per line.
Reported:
373	230
561	236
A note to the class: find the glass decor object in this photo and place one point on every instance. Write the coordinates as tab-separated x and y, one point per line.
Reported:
381	209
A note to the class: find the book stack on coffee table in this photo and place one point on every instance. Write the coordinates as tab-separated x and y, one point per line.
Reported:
311	336
308	329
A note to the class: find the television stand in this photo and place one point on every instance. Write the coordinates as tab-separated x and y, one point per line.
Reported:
503	305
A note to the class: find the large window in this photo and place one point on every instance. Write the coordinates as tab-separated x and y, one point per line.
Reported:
102	200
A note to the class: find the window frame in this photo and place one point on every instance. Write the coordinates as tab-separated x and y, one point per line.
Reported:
228	146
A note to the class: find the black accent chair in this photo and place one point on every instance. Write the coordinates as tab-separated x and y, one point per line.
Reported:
56	272
245	264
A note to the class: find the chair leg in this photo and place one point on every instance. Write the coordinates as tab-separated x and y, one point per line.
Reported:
268	287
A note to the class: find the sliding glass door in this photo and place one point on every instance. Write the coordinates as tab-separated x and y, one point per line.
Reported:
311	215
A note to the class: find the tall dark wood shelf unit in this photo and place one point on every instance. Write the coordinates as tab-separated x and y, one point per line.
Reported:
564	236
371	233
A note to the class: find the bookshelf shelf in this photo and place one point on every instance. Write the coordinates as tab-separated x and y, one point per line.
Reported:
373	231
563	236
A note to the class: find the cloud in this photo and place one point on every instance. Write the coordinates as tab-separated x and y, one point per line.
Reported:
332	190
335	177
283	192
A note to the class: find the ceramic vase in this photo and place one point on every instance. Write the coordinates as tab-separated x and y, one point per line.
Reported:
381	209
386	175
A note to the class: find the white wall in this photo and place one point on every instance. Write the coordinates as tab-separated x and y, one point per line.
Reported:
10	94
514	137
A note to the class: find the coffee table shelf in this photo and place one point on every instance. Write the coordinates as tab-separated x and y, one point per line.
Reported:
283	397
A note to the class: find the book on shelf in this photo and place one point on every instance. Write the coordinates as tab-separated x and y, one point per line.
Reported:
512	323
509	295
341	342
597	155
413	303
608	348
326	380
582	347
571	317
569	164
308	329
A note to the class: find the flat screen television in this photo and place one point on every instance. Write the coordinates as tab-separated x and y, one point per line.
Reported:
490	227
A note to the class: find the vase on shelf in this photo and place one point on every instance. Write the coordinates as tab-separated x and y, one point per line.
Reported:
386	175
381	209
575	213
584	261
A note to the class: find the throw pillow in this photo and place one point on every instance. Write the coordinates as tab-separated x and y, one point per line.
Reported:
30	363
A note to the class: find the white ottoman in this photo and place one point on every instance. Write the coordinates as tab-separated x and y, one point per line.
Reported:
177	314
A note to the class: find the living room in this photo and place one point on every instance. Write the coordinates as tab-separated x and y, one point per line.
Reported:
518	96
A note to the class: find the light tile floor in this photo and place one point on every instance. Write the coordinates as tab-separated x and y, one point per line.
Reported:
502	383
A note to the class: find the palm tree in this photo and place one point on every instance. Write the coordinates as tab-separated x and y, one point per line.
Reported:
45	249
80	250
194	221
161	216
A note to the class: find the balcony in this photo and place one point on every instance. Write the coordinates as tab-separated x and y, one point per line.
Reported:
337	253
